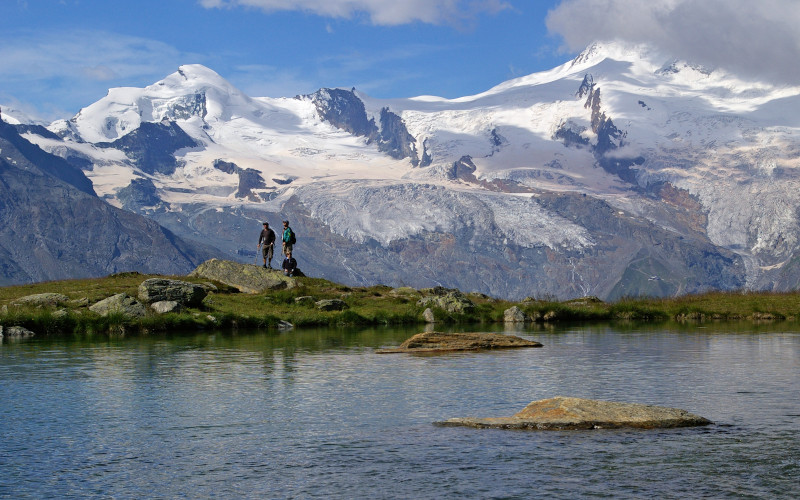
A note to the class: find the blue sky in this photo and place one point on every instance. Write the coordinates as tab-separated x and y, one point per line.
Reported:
57	56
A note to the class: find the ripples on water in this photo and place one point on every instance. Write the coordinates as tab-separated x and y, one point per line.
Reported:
318	414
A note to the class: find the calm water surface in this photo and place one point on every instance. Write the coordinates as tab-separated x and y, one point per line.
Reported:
317	414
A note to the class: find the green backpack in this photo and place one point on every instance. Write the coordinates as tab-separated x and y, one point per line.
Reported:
292	238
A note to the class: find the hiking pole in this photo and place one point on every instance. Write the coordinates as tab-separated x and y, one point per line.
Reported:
256	261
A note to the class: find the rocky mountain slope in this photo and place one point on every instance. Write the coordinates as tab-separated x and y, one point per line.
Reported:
621	172
53	225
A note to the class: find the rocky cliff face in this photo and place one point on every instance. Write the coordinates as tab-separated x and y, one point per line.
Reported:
52	226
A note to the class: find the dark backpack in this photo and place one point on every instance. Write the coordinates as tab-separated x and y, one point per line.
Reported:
292	238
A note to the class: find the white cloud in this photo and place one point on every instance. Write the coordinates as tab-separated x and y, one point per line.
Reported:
752	38
380	12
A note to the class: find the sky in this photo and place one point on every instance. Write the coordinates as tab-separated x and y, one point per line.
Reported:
57	56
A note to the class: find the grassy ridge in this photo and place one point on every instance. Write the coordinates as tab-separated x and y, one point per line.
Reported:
226	308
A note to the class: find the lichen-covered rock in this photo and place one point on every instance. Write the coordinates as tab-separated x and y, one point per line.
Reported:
247	278
166	306
440	342
17	332
450	300
166	290
428	316
119	303
331	304
565	413
515	315
43	299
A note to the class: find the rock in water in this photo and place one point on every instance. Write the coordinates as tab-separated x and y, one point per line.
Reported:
565	413
246	277
441	342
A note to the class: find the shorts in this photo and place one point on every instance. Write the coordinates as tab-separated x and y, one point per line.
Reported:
287	247
267	251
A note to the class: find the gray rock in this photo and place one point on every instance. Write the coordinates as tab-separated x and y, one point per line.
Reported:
285	325
452	301
330	305
18	332
564	413
247	278
515	315
161	289
427	315
305	299
43	299
166	306
119	303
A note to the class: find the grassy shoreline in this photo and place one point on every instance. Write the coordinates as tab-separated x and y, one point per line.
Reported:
226	308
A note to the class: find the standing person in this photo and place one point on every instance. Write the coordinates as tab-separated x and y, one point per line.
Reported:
266	242
289	264
288	238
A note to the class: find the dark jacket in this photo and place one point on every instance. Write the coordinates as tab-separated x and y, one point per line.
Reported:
267	237
289	264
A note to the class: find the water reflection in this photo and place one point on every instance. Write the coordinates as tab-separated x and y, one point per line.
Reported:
316	413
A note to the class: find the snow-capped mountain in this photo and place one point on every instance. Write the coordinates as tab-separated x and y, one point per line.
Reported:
620	172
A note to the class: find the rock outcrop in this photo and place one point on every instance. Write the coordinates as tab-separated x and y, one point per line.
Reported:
161	289
330	305
450	300
565	413
43	299
431	342
120	303
515	315
246	278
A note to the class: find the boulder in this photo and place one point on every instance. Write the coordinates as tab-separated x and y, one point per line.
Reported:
330	304
565	413
119	303
166	290
43	299
305	300
247	278
443	342
428	316
450	300
166	306
16	332
515	315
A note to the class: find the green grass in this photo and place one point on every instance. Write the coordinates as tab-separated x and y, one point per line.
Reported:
376	305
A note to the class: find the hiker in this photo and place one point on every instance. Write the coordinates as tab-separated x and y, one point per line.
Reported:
289	264
288	238
266	242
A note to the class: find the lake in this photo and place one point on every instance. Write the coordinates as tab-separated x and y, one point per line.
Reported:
317	414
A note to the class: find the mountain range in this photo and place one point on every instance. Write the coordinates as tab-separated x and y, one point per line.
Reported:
621	172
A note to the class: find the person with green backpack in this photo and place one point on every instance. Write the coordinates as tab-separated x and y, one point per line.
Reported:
288	239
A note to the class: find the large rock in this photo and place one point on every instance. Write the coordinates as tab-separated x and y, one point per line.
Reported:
441	342
515	315
161	289
16	332
450	300
120	303
564	413
166	306
247	278
331	304
43	299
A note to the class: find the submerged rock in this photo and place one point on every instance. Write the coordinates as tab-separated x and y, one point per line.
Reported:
247	278
565	413
442	342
